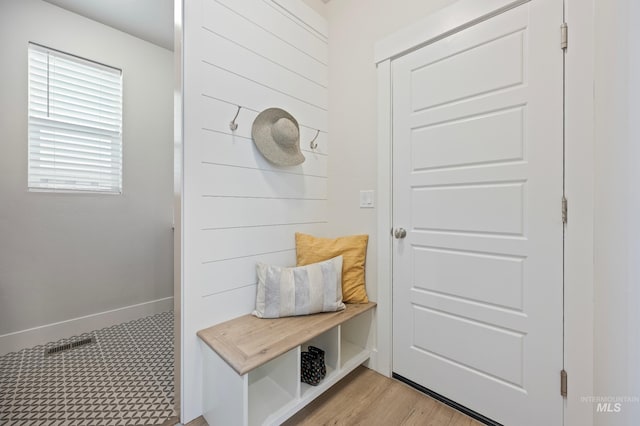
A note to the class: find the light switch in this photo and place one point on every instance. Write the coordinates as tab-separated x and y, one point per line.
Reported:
366	199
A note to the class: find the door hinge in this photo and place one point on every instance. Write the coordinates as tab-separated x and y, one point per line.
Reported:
564	210
564	36
563	383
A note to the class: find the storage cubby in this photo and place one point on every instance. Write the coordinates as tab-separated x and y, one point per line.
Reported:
354	340
329	342
272	386
252	366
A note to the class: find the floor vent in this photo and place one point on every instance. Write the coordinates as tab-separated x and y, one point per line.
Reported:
68	346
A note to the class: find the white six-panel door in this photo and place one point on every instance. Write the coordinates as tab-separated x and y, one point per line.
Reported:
478	172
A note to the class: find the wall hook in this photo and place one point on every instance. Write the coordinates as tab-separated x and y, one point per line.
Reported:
313	143
233	125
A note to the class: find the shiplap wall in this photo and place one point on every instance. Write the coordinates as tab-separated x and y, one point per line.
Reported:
238	208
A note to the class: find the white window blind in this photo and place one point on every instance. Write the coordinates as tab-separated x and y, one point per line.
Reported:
75	123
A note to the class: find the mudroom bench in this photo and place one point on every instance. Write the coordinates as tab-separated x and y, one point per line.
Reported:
251	366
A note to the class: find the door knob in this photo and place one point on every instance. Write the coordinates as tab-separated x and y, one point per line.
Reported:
400	233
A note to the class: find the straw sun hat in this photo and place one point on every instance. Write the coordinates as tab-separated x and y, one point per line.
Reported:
277	136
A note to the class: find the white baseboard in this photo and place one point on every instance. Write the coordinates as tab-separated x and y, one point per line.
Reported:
15	341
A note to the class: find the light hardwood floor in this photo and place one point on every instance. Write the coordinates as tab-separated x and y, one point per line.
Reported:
365	397
200	421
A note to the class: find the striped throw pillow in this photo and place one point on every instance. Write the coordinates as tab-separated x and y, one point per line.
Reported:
303	290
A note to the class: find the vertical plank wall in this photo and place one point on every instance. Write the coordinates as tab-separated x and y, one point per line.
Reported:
238	208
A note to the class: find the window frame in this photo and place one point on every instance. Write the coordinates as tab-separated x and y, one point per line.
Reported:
97	155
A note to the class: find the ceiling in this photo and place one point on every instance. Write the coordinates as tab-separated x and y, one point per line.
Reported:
150	20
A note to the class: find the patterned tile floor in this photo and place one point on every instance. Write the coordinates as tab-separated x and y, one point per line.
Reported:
125	378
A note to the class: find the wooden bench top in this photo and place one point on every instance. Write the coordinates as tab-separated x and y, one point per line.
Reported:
247	342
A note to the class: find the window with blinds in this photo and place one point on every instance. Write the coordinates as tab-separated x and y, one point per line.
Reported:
75	123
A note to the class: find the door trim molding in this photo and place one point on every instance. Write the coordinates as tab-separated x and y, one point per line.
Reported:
449	20
579	184
384	317
579	231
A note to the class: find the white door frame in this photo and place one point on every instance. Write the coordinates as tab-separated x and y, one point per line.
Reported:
579	179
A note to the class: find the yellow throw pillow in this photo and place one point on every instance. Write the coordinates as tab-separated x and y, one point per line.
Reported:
353	249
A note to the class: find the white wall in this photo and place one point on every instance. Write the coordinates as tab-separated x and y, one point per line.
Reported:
319	6
355	26
633	256
617	207
237	208
64	256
